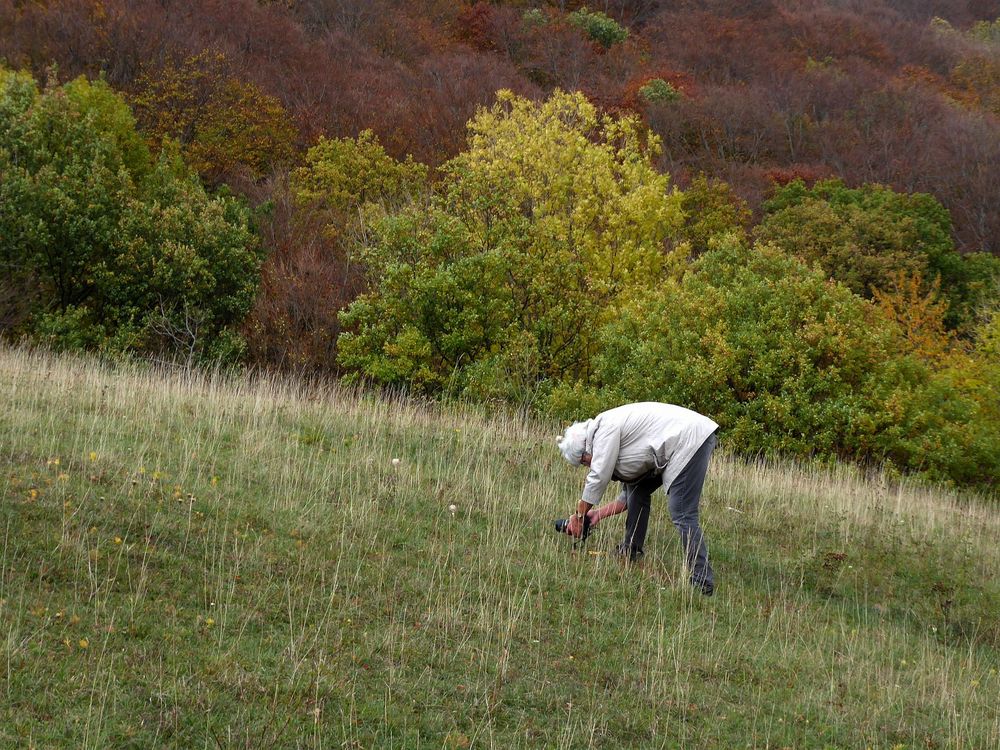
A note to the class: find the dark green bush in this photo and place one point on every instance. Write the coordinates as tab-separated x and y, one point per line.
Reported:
116	250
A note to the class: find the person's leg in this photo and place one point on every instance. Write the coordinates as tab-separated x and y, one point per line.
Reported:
637	503
684	496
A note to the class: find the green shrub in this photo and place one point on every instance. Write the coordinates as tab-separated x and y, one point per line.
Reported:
865	236
711	211
658	91
784	360
534	17
116	250
957	434
986	31
598	26
791	363
340	175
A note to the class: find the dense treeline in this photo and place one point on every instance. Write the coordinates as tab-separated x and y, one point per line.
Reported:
783	216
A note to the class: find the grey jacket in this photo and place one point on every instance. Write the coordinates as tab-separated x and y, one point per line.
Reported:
633	441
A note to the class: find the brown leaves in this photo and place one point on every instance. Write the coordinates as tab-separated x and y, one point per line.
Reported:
226	126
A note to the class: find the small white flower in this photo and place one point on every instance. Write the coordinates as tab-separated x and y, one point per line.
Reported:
453	508
396	462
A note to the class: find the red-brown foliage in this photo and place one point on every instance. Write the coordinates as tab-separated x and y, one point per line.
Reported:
808	173
863	91
476	26
306	281
826	33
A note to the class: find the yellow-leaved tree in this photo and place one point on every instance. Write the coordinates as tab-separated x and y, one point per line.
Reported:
549	221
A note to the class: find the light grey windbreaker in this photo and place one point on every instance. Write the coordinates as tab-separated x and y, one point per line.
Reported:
633	441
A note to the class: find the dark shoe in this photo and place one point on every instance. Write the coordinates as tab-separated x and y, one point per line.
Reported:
631	554
708	589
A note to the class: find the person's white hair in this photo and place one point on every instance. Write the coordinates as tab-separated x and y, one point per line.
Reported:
573	444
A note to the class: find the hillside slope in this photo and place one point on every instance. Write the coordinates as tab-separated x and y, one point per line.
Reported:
195	561
899	92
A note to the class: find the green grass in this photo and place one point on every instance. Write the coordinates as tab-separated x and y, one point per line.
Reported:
195	561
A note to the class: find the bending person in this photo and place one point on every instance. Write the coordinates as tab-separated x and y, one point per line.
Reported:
645	446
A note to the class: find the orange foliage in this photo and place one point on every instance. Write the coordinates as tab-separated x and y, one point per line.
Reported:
475	26
919	76
919	313
979	80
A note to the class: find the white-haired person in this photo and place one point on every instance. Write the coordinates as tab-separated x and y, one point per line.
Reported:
645	446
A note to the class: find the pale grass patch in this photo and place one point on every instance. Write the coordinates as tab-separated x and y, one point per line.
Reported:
764	487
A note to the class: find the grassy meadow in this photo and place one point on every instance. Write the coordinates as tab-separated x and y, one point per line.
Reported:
199	561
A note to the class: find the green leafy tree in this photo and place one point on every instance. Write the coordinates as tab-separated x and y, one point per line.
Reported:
434	309
986	31
784	359
183	271
711	211
969	380
108	114
550	219
114	250
792	363
65	183
658	91
534	17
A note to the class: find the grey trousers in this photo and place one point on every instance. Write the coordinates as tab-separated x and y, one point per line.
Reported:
684	495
